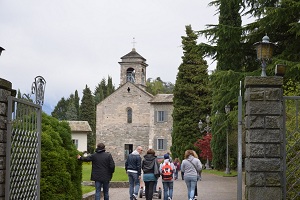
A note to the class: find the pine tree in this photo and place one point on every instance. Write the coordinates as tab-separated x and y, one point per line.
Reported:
88	113
191	96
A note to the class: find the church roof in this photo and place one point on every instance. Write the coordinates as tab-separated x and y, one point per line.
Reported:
133	54
79	126
162	98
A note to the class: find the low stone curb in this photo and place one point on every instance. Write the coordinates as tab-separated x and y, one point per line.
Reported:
91	195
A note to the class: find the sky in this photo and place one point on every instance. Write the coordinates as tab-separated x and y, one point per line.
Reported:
74	43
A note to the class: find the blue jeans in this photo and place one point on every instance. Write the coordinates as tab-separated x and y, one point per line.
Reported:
98	185
190	182
134	184
168	190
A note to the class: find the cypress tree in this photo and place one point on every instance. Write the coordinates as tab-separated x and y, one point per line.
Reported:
76	102
191	96
110	87
88	113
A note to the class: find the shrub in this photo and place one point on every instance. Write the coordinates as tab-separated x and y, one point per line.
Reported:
60	171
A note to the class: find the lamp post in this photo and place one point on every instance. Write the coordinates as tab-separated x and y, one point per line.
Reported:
206	129
264	50
227	110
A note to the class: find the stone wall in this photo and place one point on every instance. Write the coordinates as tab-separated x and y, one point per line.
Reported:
264	137
111	120
5	92
161	130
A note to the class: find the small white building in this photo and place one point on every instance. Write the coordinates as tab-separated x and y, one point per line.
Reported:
80	130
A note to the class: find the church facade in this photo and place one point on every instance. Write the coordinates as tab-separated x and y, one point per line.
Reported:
131	116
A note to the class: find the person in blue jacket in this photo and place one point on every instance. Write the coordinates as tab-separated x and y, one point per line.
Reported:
133	169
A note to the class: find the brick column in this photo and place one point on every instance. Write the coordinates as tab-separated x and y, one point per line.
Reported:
264	137
5	91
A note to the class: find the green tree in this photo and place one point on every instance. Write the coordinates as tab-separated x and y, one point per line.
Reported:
280	20
60	109
103	90
225	39
158	86
110	87
76	102
191	96
60	170
67	109
71	113
88	113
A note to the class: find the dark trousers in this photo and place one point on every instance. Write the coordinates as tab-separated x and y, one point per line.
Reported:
149	185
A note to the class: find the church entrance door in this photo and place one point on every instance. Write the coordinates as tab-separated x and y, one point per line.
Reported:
128	149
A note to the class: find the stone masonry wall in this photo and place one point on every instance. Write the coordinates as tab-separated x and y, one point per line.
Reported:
161	130
111	120
264	137
5	92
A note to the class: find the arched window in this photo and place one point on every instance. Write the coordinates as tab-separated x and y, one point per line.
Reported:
130	74
129	115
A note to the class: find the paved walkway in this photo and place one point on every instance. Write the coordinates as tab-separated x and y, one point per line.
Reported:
211	187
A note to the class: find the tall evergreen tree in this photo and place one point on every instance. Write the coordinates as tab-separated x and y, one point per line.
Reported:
226	38
88	113
71	113
230	55
110	87
76	102
191	96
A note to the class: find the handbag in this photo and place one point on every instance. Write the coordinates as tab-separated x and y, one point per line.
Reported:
156	170
198	171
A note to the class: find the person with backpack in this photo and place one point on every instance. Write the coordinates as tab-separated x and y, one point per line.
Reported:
167	170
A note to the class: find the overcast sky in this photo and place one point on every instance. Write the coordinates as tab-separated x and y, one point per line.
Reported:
72	43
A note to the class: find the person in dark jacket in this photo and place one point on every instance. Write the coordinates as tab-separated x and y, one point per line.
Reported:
133	170
148	168
103	167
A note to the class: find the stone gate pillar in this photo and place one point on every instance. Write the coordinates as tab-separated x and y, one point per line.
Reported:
264	137
5	91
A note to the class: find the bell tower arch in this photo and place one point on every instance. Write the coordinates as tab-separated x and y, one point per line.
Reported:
133	69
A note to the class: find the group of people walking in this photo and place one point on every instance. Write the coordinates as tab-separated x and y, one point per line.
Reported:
167	170
103	167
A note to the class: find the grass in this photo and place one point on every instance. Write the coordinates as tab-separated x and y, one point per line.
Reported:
119	175
219	173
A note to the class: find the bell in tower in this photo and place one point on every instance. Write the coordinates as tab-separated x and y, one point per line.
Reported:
133	69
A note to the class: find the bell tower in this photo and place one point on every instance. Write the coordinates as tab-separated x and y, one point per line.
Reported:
133	69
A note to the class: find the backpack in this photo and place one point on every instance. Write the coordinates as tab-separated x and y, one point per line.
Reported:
167	172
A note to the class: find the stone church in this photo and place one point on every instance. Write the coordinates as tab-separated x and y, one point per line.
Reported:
131	116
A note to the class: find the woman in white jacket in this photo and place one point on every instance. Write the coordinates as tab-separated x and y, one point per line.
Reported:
191	167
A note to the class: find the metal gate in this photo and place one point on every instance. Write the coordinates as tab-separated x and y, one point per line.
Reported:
23	150
291	156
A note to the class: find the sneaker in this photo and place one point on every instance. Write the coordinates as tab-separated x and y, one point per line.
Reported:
169	198
134	197
195	198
